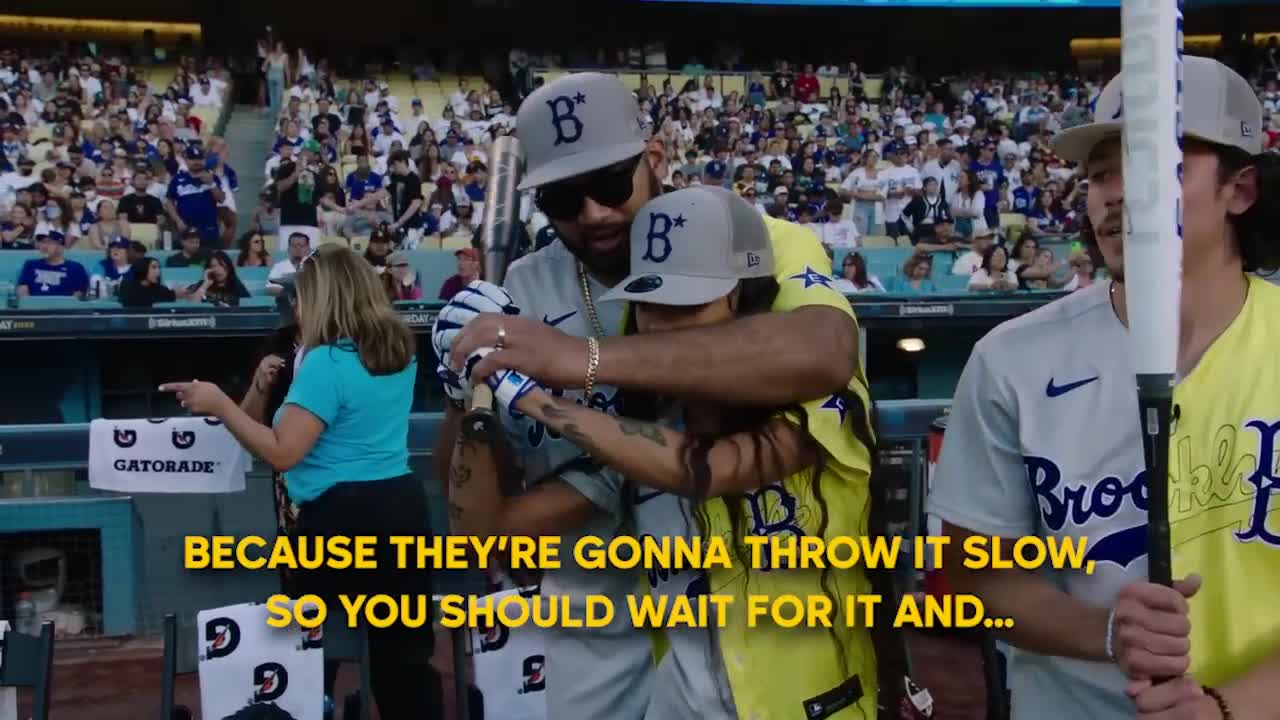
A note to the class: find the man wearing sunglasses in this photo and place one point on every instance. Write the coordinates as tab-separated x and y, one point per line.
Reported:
593	164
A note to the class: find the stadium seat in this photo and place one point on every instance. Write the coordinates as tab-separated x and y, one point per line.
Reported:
258	301
88	258
334	240
454	242
270	241
951	283
878	241
430	242
11	262
360	244
894	256
61	303
253	278
903	241
146	233
181	277
433	268
176	304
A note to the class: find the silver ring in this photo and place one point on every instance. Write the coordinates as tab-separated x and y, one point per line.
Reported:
502	338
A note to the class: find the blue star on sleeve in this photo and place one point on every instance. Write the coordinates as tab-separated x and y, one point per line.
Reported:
812	277
837	403
580	99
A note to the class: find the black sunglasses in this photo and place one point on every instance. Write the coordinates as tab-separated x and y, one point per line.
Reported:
610	186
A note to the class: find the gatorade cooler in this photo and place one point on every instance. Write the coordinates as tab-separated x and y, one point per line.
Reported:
935	583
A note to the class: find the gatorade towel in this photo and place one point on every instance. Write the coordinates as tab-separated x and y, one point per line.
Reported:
169	455
306	186
935	583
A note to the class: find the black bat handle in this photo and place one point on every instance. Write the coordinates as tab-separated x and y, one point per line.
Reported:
1155	403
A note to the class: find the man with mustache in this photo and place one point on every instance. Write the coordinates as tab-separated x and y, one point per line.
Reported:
594	164
1044	440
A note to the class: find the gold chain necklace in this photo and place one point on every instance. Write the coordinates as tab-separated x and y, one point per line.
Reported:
590	303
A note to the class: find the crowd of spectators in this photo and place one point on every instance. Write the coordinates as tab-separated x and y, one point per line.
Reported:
99	154
955	175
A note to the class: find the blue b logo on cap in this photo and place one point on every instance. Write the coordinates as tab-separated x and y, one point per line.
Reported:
660	225
563	112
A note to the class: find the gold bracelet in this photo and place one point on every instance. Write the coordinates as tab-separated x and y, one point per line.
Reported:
593	365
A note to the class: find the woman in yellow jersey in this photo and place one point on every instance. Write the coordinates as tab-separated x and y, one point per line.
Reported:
702	256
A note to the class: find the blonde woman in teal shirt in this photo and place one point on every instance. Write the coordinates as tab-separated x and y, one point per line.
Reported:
340	440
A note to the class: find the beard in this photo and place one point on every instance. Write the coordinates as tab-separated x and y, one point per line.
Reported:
616	262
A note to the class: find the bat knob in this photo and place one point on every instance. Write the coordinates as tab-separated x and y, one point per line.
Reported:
480	425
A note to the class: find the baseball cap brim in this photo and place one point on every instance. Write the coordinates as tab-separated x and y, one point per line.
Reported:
1075	144
668	289
580	164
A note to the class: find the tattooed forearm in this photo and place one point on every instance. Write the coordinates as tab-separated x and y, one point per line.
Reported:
648	431
553	412
575	435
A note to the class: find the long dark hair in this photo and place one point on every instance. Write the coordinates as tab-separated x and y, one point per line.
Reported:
756	296
990	253
859	264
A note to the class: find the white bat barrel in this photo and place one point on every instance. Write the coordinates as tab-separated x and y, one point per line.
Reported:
1151	59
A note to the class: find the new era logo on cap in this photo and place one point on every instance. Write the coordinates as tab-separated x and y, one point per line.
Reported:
693	246
576	124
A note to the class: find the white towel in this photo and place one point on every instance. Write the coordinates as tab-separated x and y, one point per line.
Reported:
173	455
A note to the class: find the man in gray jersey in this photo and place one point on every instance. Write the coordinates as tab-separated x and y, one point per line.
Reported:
1044	440
591	158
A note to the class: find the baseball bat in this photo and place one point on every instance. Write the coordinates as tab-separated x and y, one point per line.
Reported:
498	248
1151	65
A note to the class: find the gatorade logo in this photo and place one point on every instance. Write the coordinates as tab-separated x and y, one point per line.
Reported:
270	680
494	638
125	438
222	636
534	680
564	118
183	439
660	225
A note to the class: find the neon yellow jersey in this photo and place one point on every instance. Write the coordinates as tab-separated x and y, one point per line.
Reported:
1223	486
772	670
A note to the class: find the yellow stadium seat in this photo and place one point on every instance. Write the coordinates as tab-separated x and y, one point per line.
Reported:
360	244
455	242
904	241
877	241
430	242
334	240
146	233
871	87
270	241
39	132
1012	219
733	83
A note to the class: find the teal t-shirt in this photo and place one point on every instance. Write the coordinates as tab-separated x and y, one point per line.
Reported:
366	420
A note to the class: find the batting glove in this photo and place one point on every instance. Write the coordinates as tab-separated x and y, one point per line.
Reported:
508	385
478	297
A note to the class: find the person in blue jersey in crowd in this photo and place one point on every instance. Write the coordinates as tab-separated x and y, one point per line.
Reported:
991	173
111	270
193	198
1026	197
52	275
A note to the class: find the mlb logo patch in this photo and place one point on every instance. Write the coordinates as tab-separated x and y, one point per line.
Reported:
1246	130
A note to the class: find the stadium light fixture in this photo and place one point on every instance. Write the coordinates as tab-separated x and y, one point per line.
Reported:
911	344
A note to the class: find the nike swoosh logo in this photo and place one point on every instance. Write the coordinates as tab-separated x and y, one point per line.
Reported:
644	497
1055	390
556	321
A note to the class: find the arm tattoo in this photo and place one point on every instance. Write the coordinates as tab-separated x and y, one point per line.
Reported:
459	475
575	435
648	431
455	511
552	411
